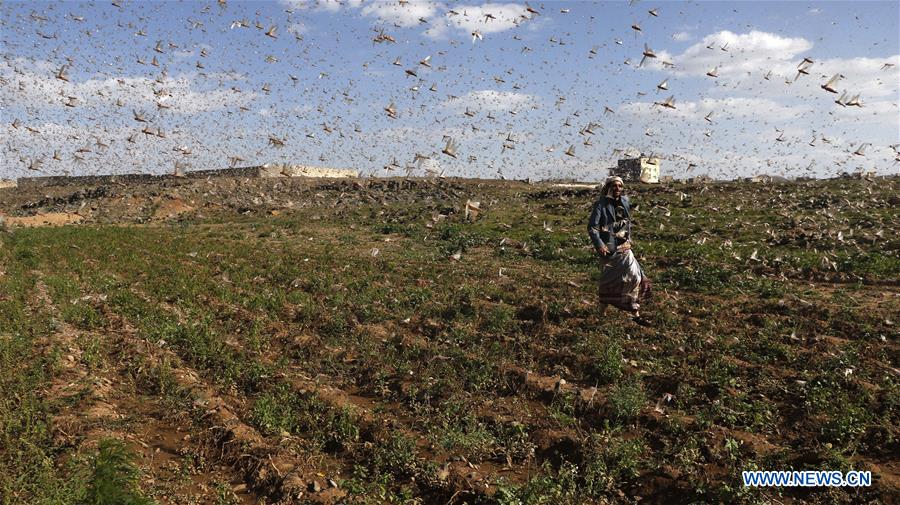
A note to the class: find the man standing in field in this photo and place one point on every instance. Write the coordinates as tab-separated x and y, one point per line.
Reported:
623	283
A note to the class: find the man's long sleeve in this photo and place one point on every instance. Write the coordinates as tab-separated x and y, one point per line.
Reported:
595	228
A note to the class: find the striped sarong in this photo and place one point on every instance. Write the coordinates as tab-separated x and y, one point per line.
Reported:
622	281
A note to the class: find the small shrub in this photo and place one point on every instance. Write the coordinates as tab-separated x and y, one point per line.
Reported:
26	258
607	365
499	319
609	462
556	487
82	316
846	425
272	412
286	410
114	477
626	400
456	240
396	455
91	351
562	409
513	441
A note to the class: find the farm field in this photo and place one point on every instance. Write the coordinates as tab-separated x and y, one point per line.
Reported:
248	341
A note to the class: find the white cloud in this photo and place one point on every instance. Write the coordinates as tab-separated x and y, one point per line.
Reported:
488	18
149	153
646	109
880	112
749	52
861	75
722	109
438	31
739	107
877	85
750	56
321	5
492	100
682	36
297	28
31	85
328	5
405	15
477	17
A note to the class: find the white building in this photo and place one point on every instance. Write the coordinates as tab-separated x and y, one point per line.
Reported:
643	168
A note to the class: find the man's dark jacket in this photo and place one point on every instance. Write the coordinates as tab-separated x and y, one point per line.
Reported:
600	224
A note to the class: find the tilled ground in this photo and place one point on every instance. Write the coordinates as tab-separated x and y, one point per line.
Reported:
365	342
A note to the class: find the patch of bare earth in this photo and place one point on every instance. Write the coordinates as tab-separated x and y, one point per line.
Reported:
169	208
43	219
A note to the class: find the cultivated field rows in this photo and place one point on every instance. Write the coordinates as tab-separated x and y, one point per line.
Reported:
335	351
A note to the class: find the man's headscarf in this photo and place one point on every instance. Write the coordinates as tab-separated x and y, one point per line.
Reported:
609	182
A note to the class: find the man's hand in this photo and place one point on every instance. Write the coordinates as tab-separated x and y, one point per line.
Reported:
603	250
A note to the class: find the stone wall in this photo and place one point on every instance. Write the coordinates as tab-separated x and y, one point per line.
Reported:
225	172
59	180
268	170
288	170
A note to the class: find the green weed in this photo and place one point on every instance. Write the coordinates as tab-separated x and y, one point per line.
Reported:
626	400
114	477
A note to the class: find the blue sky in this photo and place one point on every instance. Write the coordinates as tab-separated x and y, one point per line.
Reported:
224	93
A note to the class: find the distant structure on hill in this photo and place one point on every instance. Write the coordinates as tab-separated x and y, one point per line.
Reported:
64	180
641	169
277	170
288	170
869	176
764	178
268	170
